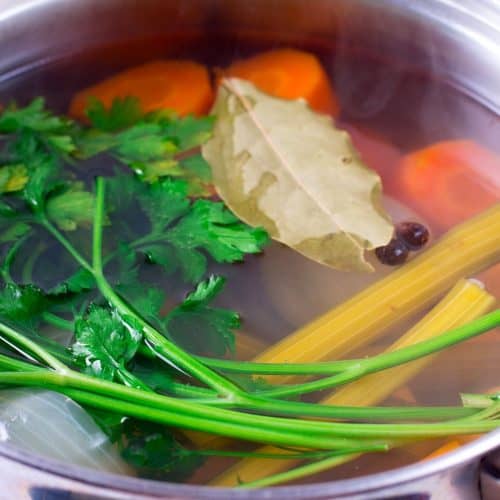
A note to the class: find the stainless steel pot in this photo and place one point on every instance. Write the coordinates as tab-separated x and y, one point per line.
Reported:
459	40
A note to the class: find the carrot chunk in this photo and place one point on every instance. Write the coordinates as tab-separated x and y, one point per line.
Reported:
180	85
289	74
450	181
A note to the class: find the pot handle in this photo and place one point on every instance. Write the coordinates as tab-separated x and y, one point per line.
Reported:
490	476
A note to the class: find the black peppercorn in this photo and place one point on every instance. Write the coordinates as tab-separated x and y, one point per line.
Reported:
392	254
413	234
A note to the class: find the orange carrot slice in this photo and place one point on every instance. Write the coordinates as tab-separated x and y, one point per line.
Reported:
180	85
450	181
289	74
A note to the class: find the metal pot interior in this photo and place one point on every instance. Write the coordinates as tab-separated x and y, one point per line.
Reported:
456	42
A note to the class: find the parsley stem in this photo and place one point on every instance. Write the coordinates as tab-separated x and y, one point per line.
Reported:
300	409
306	455
45	222
288	432
12	336
394	413
11	364
335	434
317	368
136	403
164	348
302	471
29	264
57	321
394	358
226	428
9	258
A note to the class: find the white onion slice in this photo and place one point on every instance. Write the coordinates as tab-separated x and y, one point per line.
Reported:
54	426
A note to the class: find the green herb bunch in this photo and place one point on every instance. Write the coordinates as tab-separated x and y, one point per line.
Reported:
93	223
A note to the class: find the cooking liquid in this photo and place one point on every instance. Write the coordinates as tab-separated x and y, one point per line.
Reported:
390	111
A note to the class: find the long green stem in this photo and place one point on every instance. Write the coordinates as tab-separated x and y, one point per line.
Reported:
344	433
390	359
317	368
161	345
302	471
65	243
149	400
5	268
57	321
11	364
29	264
306	455
235	425
299	409
39	352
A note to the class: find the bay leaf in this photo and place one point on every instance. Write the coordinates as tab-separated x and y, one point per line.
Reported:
279	165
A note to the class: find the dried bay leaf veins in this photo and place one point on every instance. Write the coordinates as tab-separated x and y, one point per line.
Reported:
279	165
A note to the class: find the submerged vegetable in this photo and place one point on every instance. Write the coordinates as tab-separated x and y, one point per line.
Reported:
289	74
179	85
437	180
53	426
279	165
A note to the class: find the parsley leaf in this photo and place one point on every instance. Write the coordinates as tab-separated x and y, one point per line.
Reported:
36	144
122	114
13	178
34	117
181	232
44	177
146	300
164	202
82	280
155	451
191	263
106	343
201	328
36	128
155	374
198	167
188	132
209	225
13	232
72	207
151	144
22	303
